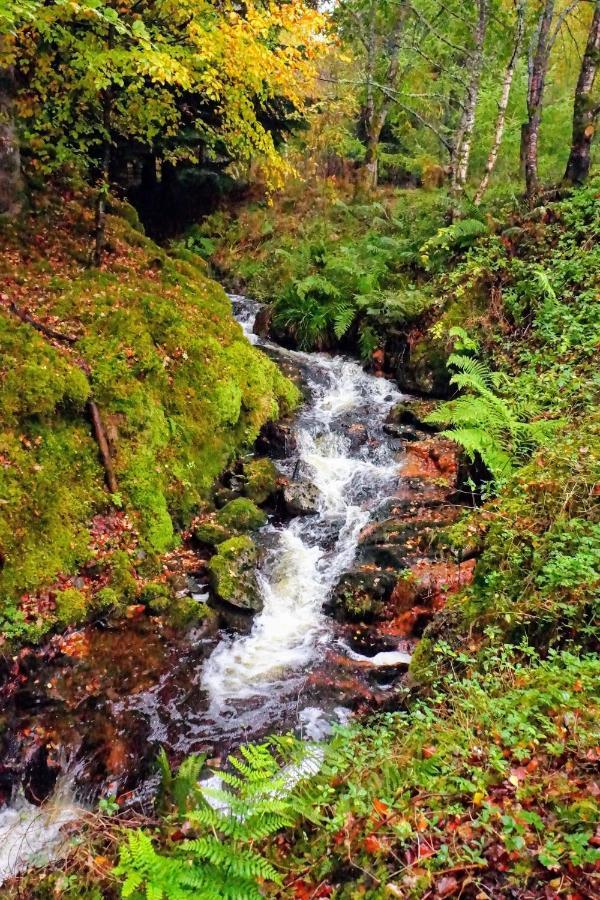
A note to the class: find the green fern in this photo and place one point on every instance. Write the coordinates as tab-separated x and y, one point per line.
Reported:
485	424
217	861
455	238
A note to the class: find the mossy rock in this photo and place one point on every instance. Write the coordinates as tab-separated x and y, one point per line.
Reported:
414	413
211	533
71	606
179	388
261	480
426	370
360	595
233	573
186	611
237	517
157	596
241	515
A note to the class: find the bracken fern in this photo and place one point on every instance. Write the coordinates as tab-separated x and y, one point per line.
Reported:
217	860
485	424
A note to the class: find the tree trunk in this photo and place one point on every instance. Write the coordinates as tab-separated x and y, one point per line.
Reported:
11	185
538	70
103	188
584	112
509	75
376	113
464	137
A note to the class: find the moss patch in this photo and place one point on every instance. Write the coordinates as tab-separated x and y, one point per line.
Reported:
180	390
261	479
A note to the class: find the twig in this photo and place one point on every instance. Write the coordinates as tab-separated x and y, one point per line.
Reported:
39	326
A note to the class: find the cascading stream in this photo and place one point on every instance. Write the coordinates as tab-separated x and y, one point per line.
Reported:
257	683
341	450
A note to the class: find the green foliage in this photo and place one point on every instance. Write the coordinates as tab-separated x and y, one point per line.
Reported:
484	423
450	241
217	859
352	272
476	773
98	78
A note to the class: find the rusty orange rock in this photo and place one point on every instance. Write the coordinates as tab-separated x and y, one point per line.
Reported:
432	459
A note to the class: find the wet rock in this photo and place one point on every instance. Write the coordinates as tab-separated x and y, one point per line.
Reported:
276	439
263	322
237	517
422	369
40	775
433	459
413	413
233	574
300	498
360	595
430	583
403	432
357	434
262	480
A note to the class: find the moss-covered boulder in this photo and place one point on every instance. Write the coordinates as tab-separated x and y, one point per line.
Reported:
261	480
424	369
239	516
233	573
180	390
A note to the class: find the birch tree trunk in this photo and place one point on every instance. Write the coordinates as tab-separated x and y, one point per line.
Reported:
464	134
509	75
584	111
538	69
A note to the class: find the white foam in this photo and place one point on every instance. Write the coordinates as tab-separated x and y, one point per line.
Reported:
300	570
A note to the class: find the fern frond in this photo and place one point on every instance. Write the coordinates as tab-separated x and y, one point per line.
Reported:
475	441
476	375
344	317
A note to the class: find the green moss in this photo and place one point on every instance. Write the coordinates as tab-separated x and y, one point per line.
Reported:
241	515
71	606
157	596
186	611
106	599
211	533
236	517
180	390
122	580
261	480
231	570
423	667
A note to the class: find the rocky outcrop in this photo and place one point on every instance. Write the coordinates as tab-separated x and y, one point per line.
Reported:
276	440
233	574
403	572
300	498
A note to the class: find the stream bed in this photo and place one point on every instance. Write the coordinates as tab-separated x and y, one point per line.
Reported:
101	716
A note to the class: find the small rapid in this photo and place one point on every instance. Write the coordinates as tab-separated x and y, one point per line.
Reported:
341	450
210	690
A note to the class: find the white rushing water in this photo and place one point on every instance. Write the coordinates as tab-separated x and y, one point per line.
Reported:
34	835
342	450
307	556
